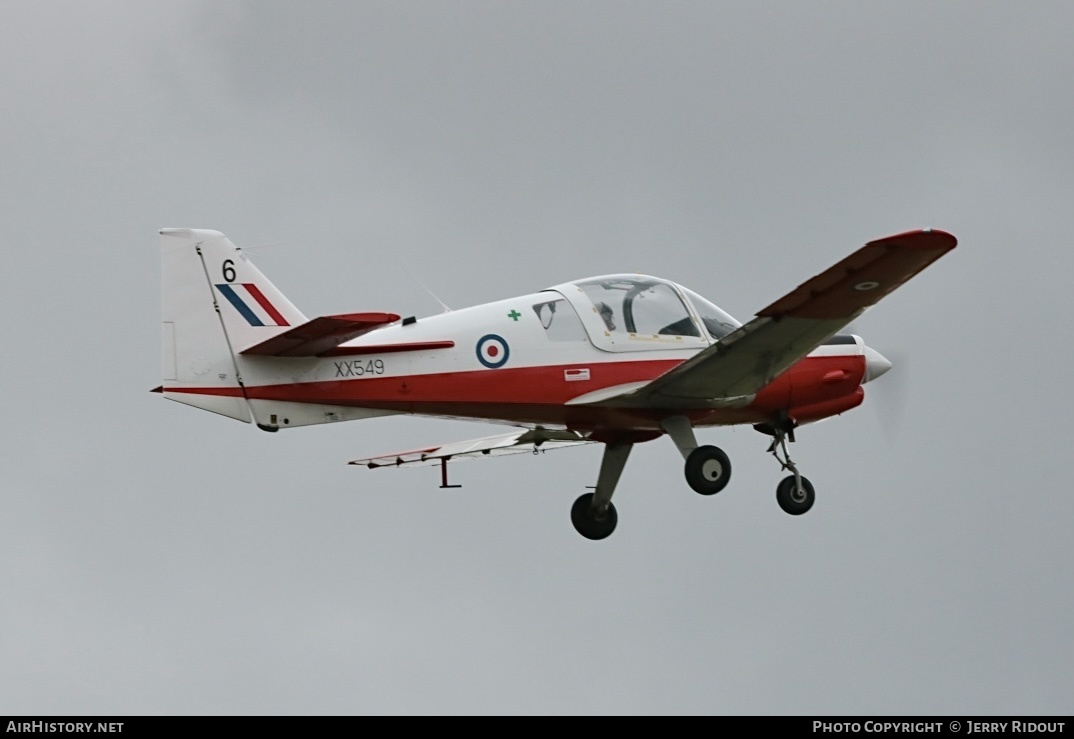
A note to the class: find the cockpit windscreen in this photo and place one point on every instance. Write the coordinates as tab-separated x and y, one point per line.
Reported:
717	323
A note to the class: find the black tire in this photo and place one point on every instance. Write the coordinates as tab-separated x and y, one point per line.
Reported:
788	498
588	526
708	470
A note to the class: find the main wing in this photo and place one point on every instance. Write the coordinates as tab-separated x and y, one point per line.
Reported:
746	360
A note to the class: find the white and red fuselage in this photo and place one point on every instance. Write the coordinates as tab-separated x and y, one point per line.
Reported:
543	359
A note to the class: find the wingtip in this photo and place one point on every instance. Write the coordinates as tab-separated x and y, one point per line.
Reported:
925	239
941	234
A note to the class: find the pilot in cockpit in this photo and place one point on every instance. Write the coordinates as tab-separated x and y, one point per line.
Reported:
607	314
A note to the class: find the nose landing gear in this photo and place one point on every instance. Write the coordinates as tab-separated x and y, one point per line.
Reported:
794	493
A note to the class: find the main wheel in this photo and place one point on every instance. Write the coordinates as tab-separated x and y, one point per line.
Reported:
708	470
791	500
589	526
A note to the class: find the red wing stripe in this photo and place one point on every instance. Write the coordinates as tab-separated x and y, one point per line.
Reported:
413	346
264	303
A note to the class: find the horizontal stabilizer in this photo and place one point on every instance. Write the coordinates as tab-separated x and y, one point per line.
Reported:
320	335
534	441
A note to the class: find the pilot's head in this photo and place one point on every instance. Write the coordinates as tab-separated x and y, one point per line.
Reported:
606	313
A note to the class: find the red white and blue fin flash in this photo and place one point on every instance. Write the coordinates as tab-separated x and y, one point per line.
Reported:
252	304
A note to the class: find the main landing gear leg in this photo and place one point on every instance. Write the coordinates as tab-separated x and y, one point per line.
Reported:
593	514
708	468
794	493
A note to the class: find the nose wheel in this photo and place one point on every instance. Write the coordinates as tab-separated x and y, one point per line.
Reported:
795	495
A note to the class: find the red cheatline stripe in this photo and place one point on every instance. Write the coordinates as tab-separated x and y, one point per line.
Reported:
531	395
227	392
347	351
263	301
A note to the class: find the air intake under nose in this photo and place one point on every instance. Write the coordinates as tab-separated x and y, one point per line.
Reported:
876	364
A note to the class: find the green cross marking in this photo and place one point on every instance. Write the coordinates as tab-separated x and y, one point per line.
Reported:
514	315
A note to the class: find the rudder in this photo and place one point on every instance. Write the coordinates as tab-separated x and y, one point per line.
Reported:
215	303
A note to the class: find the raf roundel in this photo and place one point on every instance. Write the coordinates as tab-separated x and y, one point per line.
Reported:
492	351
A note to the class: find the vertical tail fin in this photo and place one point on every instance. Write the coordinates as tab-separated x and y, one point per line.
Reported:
215	303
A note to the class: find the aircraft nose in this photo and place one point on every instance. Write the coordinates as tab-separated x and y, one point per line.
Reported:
876	364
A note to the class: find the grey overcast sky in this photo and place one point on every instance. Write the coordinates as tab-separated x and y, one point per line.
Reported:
156	559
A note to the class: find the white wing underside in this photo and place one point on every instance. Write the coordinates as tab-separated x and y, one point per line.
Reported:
533	441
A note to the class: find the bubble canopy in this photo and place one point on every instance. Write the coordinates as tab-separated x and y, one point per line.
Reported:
647	308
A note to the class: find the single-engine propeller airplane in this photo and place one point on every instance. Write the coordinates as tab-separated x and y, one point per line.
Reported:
615	360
